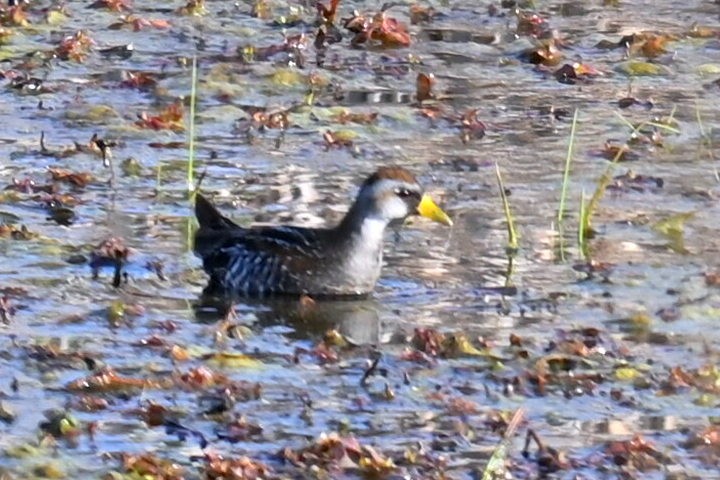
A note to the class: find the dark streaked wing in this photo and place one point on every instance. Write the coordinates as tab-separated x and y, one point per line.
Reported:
263	261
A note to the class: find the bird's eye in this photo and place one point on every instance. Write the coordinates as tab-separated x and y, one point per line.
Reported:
403	192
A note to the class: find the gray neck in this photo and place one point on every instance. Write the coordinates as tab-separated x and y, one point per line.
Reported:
363	227
364	248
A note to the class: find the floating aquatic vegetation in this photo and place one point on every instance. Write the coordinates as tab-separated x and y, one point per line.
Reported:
612	351
171	118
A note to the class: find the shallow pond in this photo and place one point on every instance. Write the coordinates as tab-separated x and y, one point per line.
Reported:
605	348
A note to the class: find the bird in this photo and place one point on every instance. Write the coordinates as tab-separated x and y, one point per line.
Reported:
340	261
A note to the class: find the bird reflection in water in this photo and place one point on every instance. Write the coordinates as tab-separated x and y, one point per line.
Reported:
358	320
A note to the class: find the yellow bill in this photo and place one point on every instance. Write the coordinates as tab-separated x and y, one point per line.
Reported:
429	209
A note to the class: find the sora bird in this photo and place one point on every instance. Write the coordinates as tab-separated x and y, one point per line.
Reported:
342	261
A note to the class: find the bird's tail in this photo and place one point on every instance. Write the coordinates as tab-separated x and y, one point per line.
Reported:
214	227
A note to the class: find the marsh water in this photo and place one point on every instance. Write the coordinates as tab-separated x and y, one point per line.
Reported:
648	295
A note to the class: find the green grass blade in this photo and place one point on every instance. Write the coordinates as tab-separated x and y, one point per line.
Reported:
510	270
698	116
158	179
650	123
191	140
583	225
512	233
599	192
495	468
566	173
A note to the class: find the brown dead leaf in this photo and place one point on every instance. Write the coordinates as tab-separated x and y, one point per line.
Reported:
549	460
384	30
14	16
701	31
306	306
633	182
423	86
200	378
416	356
179	354
325	353
636	452
75	47
12	231
106	380
547	54
277	119
139	80
111	252
707	438
433	112
429	341
653	46
239	468
112	5
28	185
678	379
421	14
89	403
622	153
78	179
570	74
327	13
171	118
334	140
193	8
153	341
138	23
373	464
6	309
530	24
147	465
471	127
712	279
153	414
461	406
706	379
345	116
515	340
240	430
339	452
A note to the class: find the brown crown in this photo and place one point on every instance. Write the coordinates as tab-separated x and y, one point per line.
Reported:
391	173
